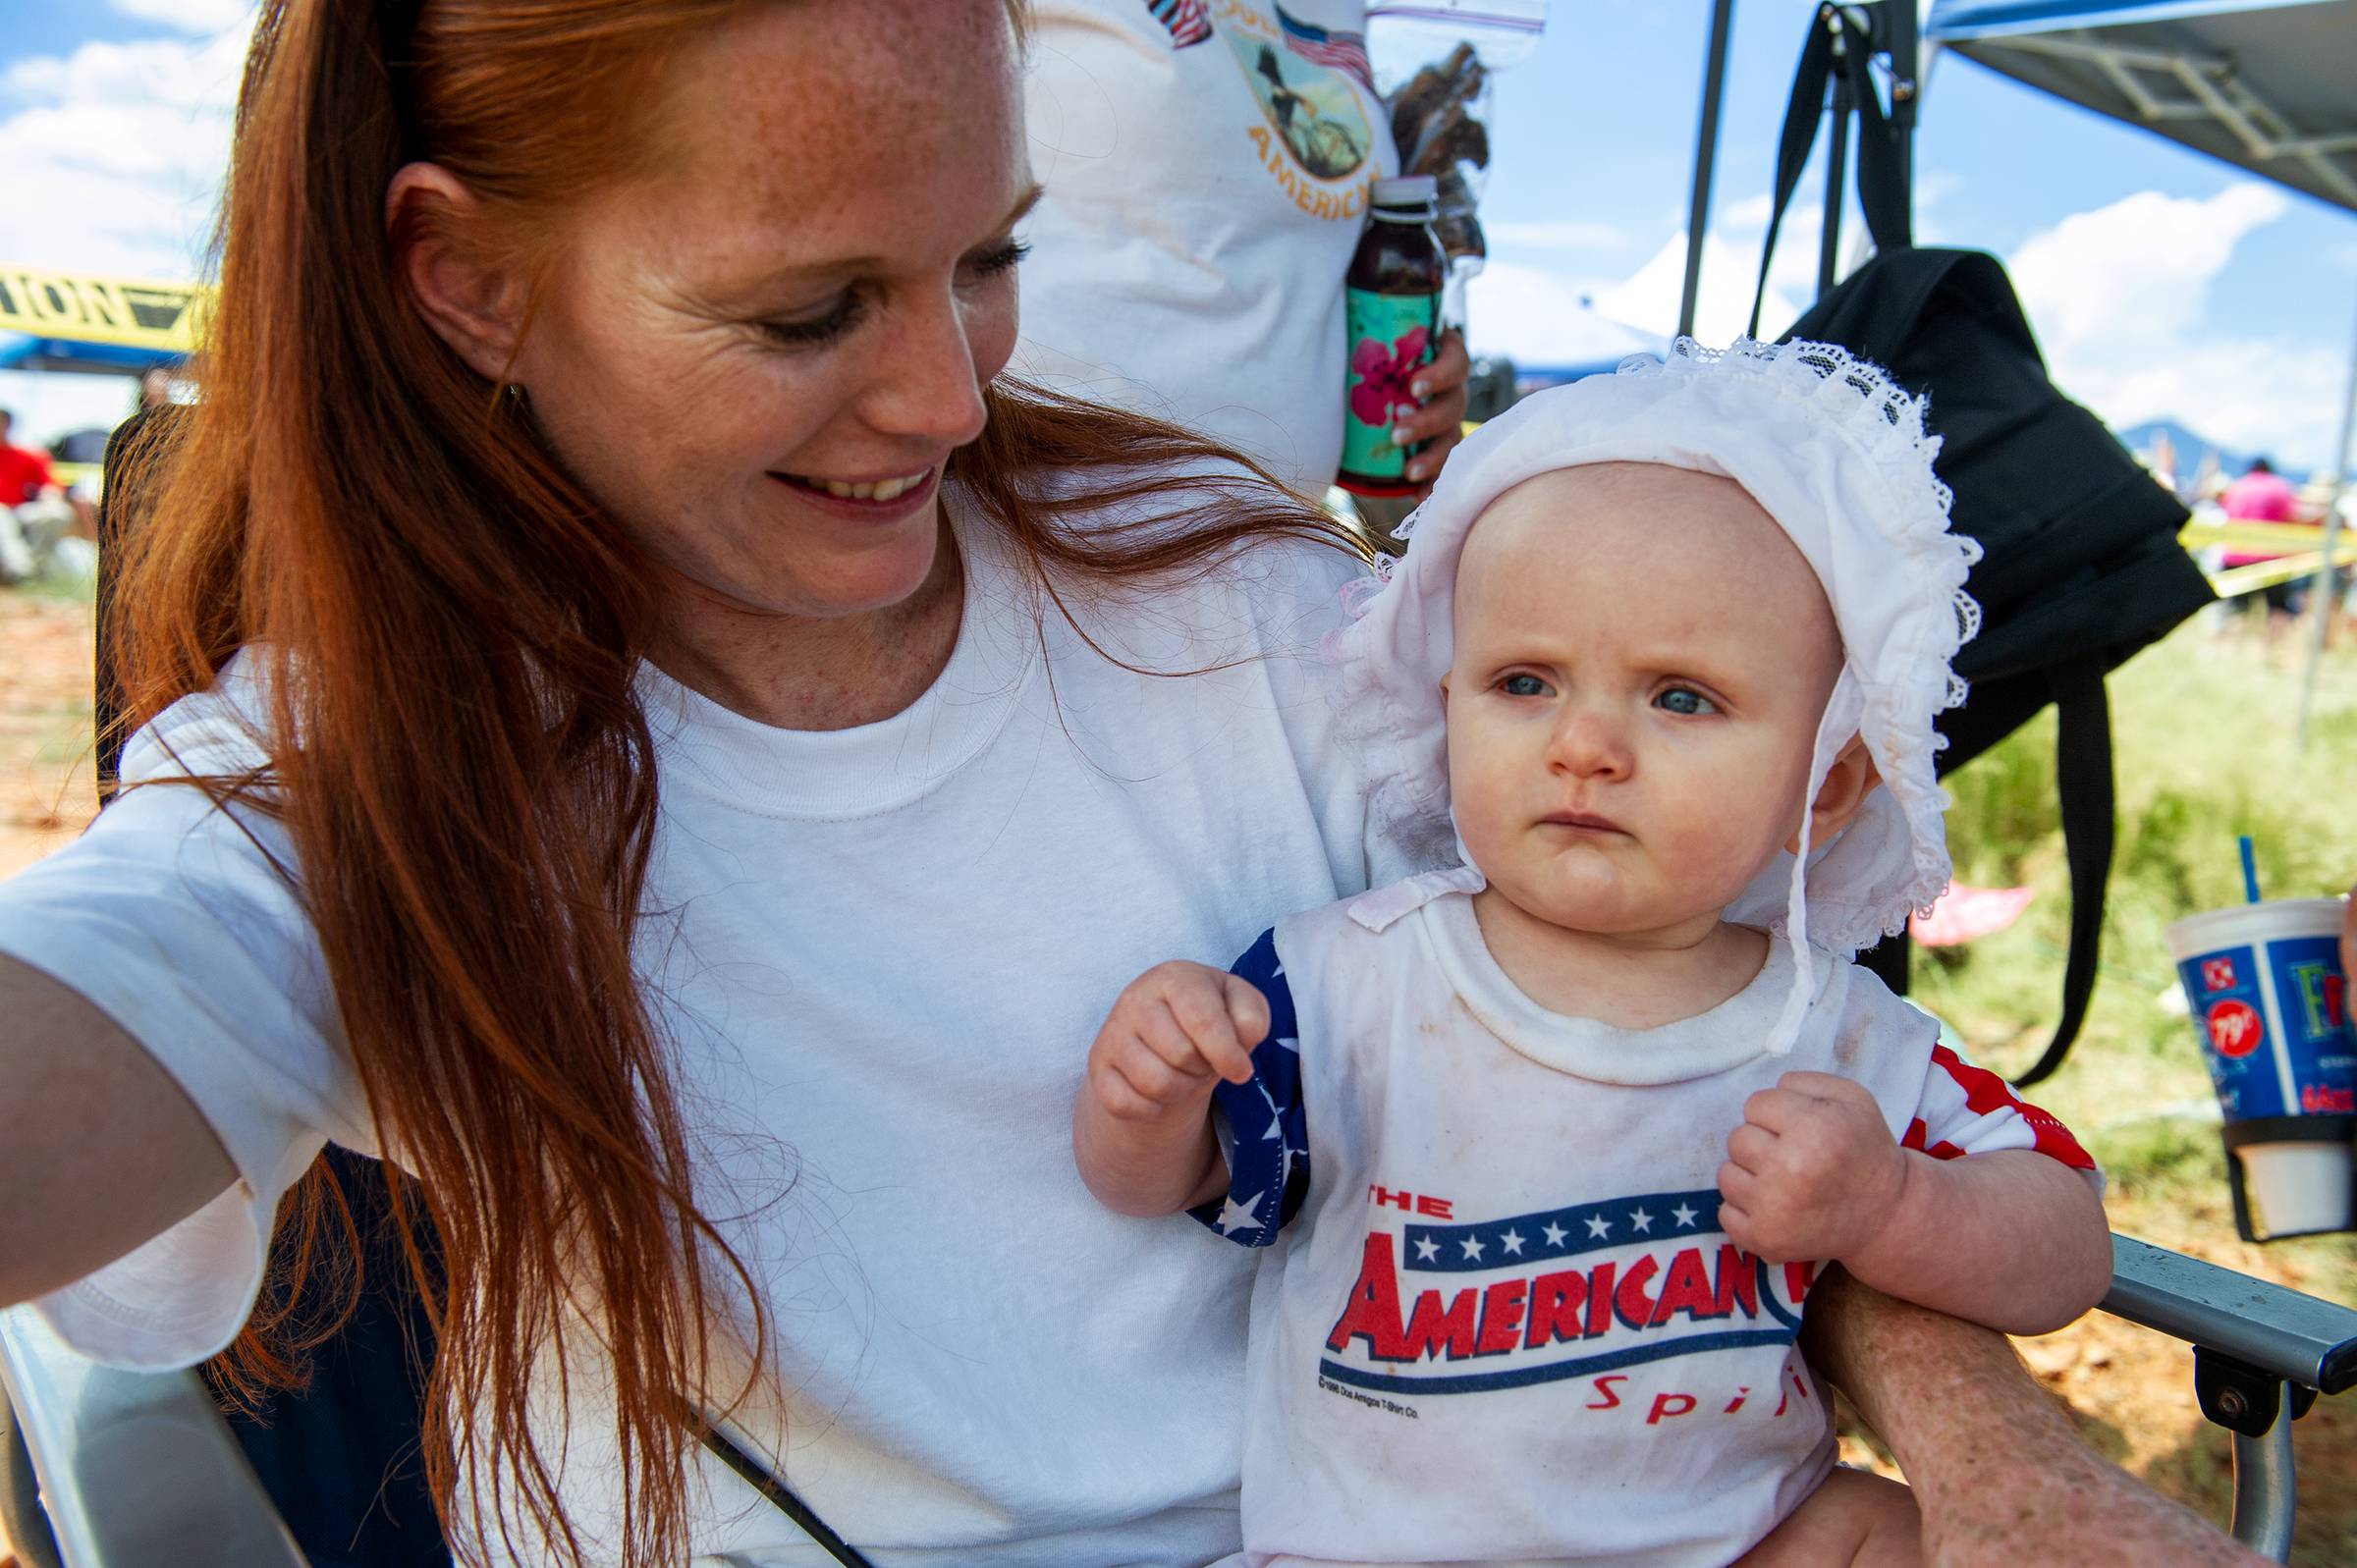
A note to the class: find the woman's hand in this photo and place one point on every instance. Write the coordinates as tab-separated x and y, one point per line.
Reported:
1141	1130
1440	424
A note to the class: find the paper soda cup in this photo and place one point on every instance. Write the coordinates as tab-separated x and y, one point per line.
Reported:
2268	1006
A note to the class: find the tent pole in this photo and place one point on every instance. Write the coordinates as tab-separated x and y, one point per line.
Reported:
2335	488
1706	154
1836	165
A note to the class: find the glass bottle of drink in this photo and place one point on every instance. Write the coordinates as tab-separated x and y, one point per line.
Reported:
1393	305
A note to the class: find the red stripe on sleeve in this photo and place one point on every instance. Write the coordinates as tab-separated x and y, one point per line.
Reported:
1916	1133
1986	1092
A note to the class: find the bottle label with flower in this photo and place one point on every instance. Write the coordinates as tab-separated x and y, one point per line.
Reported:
1392	336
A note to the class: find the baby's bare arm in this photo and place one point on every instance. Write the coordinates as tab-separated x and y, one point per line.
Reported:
2011	1239
1141	1126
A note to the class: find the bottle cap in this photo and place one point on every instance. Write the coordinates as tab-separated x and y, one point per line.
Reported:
1405	190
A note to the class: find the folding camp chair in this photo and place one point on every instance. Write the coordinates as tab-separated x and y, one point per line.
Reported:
108	1469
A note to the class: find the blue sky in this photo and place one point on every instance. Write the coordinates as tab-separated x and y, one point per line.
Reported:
2160	283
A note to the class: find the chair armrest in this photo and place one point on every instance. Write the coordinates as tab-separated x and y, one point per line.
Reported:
135	1468
2298	1339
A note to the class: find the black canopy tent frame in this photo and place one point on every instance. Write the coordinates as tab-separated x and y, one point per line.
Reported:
2244	80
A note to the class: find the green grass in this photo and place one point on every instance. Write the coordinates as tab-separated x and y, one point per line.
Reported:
2205	749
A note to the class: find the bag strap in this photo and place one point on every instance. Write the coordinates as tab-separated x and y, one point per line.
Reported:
2083	779
1881	168
1881	172
768	1484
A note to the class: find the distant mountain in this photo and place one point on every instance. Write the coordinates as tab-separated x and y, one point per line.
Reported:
2191	445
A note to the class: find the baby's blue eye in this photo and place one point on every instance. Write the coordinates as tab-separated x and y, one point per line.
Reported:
1523	686
1685	700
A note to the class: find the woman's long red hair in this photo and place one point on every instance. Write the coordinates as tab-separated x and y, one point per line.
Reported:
446	626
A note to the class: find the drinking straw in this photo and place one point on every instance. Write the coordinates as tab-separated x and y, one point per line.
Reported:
2250	871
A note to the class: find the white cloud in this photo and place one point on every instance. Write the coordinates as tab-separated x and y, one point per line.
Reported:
188	15
2138	270
115	153
2118	298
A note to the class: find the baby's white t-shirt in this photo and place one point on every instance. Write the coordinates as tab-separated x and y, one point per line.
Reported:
1503	1325
880	954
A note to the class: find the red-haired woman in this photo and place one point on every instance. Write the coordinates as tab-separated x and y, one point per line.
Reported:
643	731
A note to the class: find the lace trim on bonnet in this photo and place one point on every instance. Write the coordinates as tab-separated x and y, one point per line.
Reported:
1694	410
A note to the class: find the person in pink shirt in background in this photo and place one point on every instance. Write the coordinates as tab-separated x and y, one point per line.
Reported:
2263	495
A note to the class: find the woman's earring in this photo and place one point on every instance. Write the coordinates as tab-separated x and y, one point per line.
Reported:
518	401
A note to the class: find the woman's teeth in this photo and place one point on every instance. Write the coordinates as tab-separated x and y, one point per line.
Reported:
881	490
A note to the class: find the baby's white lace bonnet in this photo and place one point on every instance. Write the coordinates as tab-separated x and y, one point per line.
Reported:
1838	455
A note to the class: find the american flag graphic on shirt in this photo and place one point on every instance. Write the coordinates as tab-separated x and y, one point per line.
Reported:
1189	21
1330	48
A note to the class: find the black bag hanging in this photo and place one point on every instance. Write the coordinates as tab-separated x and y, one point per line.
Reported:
2081	565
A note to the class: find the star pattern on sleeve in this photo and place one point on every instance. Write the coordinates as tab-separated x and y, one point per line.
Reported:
1268	1158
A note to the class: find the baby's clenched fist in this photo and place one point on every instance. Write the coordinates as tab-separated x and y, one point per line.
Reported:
1812	1173
1176	1030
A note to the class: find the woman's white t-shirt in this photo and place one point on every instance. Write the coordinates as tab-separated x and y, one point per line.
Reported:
1206	166
881	954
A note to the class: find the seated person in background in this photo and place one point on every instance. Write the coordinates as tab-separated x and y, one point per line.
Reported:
34	511
1565	1132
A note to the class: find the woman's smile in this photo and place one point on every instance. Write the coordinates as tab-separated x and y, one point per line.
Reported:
873	498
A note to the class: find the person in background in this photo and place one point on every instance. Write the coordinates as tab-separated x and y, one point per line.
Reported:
2265	496
34	508
1206	168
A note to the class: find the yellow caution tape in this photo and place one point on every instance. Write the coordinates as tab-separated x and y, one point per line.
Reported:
124	311
2269	538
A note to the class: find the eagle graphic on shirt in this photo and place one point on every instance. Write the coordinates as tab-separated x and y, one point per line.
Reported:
1304	88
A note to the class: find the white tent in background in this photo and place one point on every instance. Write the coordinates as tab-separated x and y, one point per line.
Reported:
1548	325
1649	298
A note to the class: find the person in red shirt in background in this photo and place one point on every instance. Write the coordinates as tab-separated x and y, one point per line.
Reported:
34	510
2263	495
24	471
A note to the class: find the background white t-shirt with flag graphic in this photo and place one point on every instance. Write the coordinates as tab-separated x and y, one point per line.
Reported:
1206	165
1503	1325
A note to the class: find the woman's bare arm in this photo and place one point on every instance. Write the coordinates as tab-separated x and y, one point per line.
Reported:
1999	1475
99	1149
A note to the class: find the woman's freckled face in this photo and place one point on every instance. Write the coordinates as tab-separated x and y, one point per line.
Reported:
812	284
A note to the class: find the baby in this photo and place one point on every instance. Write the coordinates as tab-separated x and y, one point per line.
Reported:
1547	1149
